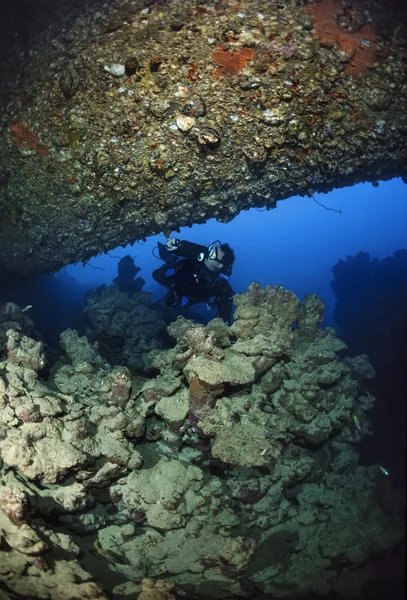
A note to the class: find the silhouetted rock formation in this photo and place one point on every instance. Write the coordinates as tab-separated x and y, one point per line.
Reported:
124	327
371	312
126	273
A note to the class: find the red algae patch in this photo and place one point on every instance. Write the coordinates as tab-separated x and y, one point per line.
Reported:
26	139
231	63
359	43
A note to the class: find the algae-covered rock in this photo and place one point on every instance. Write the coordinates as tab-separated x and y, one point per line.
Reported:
232	470
160	491
25	352
173	409
232	370
12	317
124	326
33	566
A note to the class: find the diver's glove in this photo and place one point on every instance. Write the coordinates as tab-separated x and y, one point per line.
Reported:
172	244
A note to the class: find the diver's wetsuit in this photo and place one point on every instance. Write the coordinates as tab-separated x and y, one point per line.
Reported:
190	281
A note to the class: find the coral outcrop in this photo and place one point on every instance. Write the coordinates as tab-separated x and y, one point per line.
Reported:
230	469
124	327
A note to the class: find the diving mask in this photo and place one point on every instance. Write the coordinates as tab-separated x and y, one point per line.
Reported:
210	252
212	255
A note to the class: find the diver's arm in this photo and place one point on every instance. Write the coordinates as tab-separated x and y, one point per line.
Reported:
185	249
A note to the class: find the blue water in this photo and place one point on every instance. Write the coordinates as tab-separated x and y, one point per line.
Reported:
294	245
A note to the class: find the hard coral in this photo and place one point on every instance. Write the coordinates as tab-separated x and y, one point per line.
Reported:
15	504
231	63
156	590
202	398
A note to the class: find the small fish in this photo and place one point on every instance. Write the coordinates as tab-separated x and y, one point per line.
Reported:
384	471
98	547
357	422
110	555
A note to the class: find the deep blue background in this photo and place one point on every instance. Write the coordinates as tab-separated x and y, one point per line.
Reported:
294	245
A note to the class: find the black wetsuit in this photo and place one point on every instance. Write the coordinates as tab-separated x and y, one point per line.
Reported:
190	282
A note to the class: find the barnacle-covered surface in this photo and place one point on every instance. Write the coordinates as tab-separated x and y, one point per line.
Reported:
229	469
128	117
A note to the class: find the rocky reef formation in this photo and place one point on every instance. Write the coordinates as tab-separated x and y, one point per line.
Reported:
126	279
230	471
124	327
129	117
371	300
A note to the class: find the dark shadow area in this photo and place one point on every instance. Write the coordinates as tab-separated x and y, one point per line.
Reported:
56	302
390	576
371	314
387	15
22	19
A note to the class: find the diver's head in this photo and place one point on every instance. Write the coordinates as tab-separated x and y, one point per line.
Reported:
219	259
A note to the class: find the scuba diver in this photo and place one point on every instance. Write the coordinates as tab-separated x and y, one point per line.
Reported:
193	273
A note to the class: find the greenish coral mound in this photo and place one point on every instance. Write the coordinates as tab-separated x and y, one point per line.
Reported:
227	464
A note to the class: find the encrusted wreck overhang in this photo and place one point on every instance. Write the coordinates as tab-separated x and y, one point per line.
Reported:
127	118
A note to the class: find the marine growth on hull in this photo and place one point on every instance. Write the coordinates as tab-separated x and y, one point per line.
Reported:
125	118
216	461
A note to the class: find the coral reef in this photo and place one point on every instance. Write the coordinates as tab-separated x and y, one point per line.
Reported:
124	326
37	562
231	470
